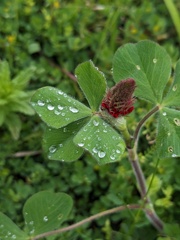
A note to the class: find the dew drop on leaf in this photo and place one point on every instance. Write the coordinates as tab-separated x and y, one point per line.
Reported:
57	112
154	60
164	113
60	92
52	149
96	123
170	149
45	219
138	67
60	107
95	150
174	155
80	144
112	157
177	121
174	88
101	154
41	103
50	107
73	110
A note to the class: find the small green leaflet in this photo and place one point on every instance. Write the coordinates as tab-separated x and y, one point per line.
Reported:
56	108
9	230
101	140
45	211
148	64
173	96
168	137
92	83
59	145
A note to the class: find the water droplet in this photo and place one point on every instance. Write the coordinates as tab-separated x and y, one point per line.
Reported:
45	219
101	154
95	150
60	107
168	133
105	131
154	60
138	67
73	110
60	145
40	103
164	114
13	237
96	123
177	121
52	149
112	157
174	155
170	149
80	144
118	151
50	107
174	88
57	112
60	92
31	223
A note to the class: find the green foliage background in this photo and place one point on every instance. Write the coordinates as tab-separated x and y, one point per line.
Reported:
53	37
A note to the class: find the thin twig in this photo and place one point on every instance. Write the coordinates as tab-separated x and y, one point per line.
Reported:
87	220
26	153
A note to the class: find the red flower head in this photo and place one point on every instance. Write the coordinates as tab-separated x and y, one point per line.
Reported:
119	99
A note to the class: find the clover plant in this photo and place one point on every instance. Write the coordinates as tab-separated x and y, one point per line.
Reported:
141	71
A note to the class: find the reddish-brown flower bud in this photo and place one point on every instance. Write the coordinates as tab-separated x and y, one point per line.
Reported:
119	99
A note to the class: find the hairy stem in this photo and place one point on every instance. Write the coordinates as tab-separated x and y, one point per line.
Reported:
87	220
133	158
149	210
143	120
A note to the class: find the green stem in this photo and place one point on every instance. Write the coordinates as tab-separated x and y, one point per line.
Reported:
143	120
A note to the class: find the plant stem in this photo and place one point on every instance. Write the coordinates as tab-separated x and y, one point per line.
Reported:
87	220
143	120
133	158
149	210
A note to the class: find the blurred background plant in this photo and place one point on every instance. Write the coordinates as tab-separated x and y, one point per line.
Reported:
51	37
13	99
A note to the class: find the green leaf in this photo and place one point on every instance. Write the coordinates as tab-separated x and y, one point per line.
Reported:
45	211
56	108
154	184
168	137
173	97
22	79
59	145
13	123
102	141
4	73
92	83
148	64
9	230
